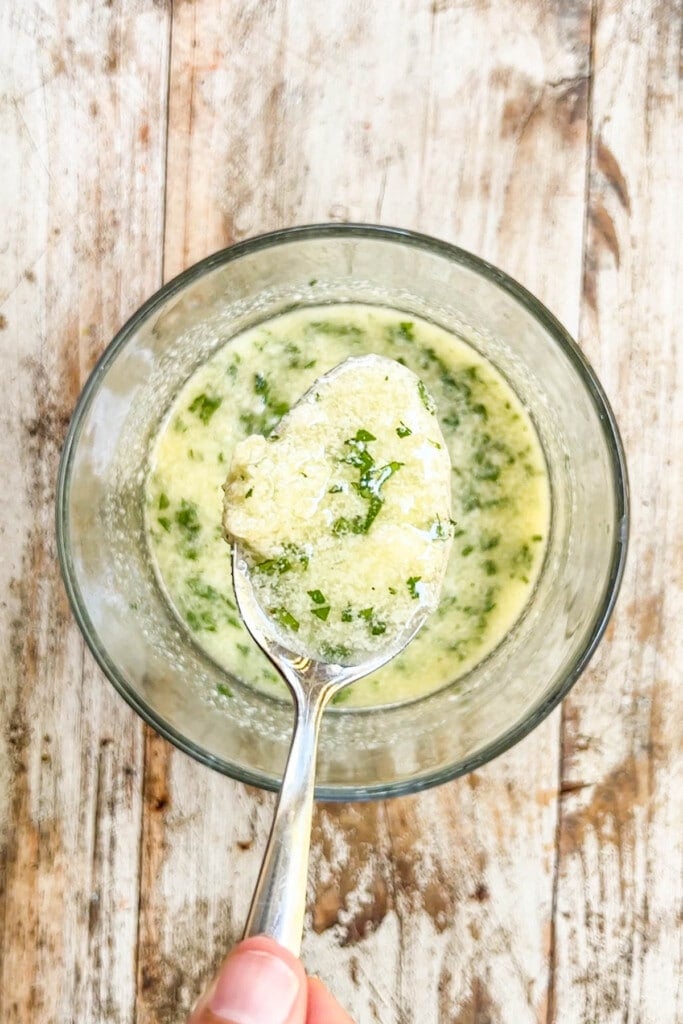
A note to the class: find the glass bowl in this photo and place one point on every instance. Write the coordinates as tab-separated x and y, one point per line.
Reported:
153	661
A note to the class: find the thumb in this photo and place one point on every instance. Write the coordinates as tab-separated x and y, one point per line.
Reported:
323	1008
259	983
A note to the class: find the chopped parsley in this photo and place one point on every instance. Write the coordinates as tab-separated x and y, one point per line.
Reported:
290	559
204	406
187	518
370	482
411	583
426	398
403	431
439	531
317	596
335	652
285	618
202	620
335	328
376	626
401	332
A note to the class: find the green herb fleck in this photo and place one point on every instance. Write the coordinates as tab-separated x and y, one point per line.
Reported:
187	517
411	583
376	626
274	565
403	331
164	523
403	430
317	596
163	501
321	612
204	406
490	567
438	529
201	589
370	482
198	621
335	328
224	690
335	652
426	398
249	493
285	618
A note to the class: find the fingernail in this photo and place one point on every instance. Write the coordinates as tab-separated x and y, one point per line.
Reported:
254	988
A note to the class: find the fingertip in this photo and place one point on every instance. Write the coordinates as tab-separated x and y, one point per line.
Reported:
261	982
268	945
323	1008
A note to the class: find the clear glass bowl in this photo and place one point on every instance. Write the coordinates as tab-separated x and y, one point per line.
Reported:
154	663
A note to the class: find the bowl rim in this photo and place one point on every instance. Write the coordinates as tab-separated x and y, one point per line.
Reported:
559	335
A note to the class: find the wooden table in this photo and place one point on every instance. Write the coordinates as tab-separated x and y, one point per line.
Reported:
139	136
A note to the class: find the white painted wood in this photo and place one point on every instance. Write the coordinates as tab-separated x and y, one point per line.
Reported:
467	120
82	129
618	949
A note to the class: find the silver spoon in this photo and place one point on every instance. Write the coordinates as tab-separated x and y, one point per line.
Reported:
279	900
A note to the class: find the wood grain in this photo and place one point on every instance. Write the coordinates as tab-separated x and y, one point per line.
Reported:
619	896
139	137
82	121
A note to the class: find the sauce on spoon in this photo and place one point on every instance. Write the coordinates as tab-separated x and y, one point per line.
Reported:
343	514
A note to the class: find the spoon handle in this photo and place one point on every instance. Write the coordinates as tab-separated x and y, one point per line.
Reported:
279	901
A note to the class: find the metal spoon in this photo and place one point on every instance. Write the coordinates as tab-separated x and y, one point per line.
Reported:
279	900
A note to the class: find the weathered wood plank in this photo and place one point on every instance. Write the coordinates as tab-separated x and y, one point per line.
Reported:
82	118
468	122
617	950
457	119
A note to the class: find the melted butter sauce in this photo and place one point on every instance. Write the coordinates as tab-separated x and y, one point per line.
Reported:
499	488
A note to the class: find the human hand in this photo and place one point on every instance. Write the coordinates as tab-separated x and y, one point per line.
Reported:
263	983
